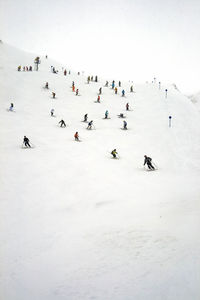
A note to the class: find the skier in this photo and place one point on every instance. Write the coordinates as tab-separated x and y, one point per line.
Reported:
123	93
127	106
30	68
131	89
100	90
125	125
65	72
73	88
76	136
106	114
147	160
115	90
90	125
96	79
76	92
114	153
52	112
85	117
19	68
62	123
46	85
11	107
106	84
98	99
113	84
54	95
88	79
26	142
121	115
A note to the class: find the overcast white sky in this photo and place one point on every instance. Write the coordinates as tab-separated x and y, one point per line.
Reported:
121	39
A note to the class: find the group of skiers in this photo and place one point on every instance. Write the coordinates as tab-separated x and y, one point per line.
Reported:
25	68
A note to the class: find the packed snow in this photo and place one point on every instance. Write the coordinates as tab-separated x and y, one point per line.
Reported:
77	224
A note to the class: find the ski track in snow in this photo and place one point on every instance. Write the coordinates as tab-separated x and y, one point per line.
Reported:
77	225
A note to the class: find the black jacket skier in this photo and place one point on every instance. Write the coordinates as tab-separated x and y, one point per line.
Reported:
147	160
62	123
85	117
26	142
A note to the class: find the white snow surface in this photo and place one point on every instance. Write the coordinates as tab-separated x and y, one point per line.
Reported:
77	224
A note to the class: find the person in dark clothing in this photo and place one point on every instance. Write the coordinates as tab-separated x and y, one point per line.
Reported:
127	106
125	124
90	125
100	91
114	153
85	117
62	123
147	160
46	85
26	142
53	95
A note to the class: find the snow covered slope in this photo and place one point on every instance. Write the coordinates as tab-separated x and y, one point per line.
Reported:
77	224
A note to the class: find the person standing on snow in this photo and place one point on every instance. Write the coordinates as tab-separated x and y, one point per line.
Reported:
98	99
125	125
85	117
76	92
46	85
127	106
147	160
53	95
76	136
106	114
26	142
11	107
115	90
52	112
123	93
100	90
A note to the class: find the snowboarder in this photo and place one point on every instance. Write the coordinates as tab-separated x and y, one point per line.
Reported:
26	142
46	85
90	125
52	112
125	125
127	106
11	107
76	92
76	136
147	160
106	114
85	117
62	123
123	93
54	95
114	153
100	90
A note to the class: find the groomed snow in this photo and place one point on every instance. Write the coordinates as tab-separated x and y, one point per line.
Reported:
78	225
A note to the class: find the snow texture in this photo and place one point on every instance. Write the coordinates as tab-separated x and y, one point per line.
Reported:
78	225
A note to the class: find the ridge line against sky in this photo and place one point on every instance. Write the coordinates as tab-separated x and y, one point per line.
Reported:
132	39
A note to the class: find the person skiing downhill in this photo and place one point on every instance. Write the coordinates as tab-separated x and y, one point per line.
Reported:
26	142
98	99
116	90
62	123
131	89
76	136
106	114
90	125
46	85
123	93
147	160
76	92
125	125
100	90
53	95
11	107
52	112
127	106
114	153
